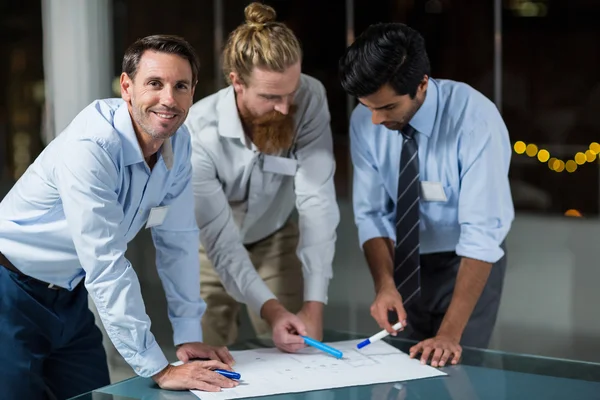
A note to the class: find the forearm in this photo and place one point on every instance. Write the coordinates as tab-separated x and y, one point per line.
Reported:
379	254
470	281
179	270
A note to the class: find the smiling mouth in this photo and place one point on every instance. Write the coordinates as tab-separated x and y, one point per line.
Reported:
164	116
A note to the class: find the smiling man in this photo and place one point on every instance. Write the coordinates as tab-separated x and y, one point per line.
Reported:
432	200
262	147
120	166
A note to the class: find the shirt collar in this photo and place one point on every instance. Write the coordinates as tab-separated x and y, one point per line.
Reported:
230	124
132	152
424	119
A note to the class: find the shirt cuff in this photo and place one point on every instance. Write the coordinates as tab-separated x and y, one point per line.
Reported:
479	245
315	288
258	294
370	228
149	362
187	330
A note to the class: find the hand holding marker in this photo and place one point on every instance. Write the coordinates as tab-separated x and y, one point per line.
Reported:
378	336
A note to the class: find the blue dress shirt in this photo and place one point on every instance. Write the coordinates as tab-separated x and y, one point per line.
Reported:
72	213
464	146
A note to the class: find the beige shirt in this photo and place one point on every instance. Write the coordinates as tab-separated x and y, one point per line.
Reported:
239	201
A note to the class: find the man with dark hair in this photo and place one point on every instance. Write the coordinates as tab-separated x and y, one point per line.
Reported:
64	228
432	200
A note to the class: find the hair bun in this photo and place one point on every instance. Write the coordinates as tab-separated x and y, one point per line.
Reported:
259	14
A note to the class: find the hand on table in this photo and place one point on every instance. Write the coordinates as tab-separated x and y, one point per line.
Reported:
388	299
188	351
195	375
286	326
440	348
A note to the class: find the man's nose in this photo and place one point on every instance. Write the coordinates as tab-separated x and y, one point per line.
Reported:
167	98
377	117
283	107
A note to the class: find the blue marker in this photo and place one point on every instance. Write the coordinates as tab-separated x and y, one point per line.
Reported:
323	347
378	336
228	374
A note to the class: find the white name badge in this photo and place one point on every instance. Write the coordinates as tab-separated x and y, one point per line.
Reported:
157	216
433	191
280	165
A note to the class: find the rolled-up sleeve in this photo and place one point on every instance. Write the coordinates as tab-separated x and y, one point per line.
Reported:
87	181
485	208
177	243
373	208
220	235
316	200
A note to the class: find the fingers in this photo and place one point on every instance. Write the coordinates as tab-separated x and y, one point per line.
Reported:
380	314
291	348
225	356
439	351
183	356
457	353
416	349
297	325
213	378
288	342
426	352
437	355
212	355
213	364
445	356
399	307
206	387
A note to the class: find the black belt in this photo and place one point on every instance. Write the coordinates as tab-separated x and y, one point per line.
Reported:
5	262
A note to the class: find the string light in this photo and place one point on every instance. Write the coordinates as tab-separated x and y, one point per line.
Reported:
554	163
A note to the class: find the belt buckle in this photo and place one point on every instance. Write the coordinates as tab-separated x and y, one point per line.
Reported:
53	286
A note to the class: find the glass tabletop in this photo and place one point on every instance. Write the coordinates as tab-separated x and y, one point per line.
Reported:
482	374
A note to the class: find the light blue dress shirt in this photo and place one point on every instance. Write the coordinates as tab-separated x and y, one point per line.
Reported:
464	146
72	213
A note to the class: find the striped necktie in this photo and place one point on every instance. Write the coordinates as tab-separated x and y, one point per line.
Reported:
406	253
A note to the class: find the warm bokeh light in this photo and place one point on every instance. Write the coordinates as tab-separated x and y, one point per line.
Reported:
531	150
543	155
556	164
571	166
590	155
520	147
572	213
580	158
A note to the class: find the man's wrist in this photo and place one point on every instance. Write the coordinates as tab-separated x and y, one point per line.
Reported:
455	336
313	308
271	310
384	282
158	377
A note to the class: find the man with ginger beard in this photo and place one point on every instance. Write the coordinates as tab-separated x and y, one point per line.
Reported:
260	148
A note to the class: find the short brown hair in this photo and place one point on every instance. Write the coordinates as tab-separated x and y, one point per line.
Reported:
162	44
260	42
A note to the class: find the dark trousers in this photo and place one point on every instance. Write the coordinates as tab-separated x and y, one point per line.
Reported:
50	347
438	278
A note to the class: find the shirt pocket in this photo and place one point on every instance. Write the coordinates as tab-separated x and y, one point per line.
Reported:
441	213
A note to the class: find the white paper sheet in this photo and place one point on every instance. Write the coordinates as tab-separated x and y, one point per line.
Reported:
268	371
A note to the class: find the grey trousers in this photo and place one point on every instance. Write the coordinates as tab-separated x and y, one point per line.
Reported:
438	277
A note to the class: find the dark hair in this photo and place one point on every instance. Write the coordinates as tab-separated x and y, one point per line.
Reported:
384	53
162	44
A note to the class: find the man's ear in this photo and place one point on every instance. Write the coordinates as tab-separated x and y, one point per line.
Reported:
126	84
237	82
424	83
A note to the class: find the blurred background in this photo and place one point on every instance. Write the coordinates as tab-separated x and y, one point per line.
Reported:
537	60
